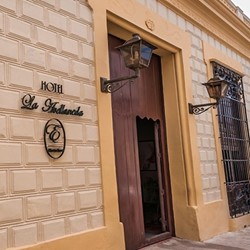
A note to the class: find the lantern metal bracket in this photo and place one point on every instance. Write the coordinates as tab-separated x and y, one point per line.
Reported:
136	54
112	85
199	109
217	88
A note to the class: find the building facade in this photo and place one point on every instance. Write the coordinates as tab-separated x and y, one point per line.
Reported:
83	169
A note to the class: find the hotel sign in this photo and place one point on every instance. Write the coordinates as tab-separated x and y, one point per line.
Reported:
49	106
54	133
52	87
54	138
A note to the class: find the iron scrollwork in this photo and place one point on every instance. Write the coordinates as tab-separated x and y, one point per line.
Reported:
235	90
199	109
54	138
238	198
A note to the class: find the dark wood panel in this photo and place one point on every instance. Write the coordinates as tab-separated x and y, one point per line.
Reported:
146	95
143	97
126	165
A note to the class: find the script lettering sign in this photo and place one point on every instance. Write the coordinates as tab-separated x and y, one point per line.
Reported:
28	102
50	106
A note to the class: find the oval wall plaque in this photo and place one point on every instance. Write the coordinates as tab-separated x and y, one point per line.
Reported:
54	138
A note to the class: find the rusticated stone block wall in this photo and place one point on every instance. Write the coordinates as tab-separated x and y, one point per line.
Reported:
42	198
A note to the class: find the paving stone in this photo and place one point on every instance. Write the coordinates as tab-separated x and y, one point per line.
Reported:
239	240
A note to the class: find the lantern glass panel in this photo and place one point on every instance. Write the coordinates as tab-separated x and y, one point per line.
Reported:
224	88
136	52
131	55
216	90
213	91
146	53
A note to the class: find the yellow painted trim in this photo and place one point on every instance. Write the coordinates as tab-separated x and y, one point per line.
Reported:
217	211
212	54
175	49
239	223
182	178
213	219
101	239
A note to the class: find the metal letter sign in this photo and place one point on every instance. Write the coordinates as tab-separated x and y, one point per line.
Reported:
28	102
52	87
54	138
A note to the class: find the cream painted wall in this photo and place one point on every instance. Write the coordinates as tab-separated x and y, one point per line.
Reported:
66	42
42	198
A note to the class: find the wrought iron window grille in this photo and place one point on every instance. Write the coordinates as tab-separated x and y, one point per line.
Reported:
234	135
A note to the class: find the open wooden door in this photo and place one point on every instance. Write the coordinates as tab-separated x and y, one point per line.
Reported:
141	153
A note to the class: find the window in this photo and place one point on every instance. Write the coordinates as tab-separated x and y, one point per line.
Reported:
234	135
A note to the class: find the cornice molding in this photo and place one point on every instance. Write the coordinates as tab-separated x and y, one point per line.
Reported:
229	14
235	10
216	17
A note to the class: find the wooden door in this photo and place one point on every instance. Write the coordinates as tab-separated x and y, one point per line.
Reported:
141	153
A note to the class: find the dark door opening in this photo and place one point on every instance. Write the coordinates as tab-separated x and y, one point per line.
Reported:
151	177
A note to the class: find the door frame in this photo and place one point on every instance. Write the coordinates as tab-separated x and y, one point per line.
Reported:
175	50
167	58
171	60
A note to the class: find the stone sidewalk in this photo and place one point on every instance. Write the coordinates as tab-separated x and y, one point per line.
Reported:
239	240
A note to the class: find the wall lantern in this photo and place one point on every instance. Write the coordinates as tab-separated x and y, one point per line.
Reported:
136	54
217	88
